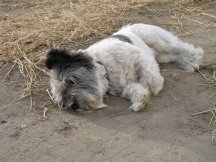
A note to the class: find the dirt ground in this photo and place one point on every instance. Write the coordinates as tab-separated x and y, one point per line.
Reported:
165	131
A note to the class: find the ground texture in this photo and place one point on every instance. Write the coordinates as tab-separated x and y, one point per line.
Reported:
165	131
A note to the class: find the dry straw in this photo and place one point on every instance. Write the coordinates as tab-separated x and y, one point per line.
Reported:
210	82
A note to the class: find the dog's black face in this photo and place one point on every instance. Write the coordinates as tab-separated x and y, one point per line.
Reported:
74	82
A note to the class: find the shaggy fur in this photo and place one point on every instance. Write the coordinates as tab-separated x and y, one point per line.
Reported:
124	64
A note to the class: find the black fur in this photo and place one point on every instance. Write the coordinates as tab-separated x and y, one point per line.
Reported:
122	38
57	57
106	75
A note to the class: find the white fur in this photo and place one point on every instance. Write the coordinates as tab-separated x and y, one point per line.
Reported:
133	69
167	47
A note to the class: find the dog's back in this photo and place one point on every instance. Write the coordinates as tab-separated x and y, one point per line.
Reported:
167	47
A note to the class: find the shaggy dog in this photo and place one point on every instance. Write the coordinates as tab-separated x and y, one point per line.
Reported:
124	64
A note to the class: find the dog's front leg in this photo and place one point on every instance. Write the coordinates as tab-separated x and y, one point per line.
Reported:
138	94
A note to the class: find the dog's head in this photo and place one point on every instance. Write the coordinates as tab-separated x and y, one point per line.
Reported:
76	81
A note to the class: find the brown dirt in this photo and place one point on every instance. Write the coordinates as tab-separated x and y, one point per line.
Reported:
165	131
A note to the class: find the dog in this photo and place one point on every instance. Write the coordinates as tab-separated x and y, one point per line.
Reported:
124	64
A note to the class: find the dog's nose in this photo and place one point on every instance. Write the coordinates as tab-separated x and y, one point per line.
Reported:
75	105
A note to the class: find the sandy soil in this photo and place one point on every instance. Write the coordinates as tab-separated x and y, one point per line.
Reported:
165	131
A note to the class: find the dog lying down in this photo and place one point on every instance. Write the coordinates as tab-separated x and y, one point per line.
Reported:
124	64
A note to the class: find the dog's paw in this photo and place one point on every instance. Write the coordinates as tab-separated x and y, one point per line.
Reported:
139	106
190	67
157	85
192	60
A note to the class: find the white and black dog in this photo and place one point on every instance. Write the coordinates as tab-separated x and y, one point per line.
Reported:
124	64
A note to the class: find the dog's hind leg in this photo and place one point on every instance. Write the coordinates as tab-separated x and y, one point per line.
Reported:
184	54
168	47
138	94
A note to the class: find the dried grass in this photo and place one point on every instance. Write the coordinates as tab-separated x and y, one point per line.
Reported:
210	82
60	23
187	12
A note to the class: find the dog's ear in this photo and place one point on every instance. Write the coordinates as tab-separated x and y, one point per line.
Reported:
57	57
54	58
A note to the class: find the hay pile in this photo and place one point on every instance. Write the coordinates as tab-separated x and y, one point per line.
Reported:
57	23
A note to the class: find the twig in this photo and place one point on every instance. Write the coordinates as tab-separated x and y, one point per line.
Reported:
214	77
50	95
176	70
210	121
211	96
202	112
214	135
201	74
173	96
213	114
44	112
31	63
201	84
10	70
120	113
13	102
4	66
31	102
21	67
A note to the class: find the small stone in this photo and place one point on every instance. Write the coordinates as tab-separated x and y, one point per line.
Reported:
3	121
22	126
